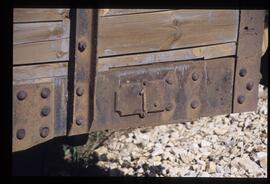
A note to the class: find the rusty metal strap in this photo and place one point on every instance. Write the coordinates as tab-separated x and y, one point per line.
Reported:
247	72
84	71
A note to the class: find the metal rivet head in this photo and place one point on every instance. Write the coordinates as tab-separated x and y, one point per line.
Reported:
45	111
21	95
195	76
45	92
243	72
44	132
79	121
81	46
155	104
241	99
20	134
144	83
169	107
79	91
142	114
249	86
194	104
169	80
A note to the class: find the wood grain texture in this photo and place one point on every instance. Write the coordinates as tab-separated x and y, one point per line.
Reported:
207	52
165	30
36	32
38	52
113	12
39	14
39	71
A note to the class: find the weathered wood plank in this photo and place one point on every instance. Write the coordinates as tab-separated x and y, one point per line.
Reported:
36	32
39	14
207	52
165	30
39	71
48	51
112	12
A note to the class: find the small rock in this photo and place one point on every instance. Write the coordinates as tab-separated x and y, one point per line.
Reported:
246	164
157	151
221	131
204	174
262	157
211	167
205	143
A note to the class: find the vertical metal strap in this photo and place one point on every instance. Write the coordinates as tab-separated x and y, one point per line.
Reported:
249	49
85	60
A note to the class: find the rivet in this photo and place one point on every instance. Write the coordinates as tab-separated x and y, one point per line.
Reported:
20	134
144	83
21	95
249	86
45	92
45	111
142	114
241	99
44	132
169	80
195	76
194	104
169	107
81	46
79	91
155	104
79	121
243	72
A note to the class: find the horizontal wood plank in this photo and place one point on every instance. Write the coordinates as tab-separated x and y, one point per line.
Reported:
39	71
113	12
159	31
48	51
207	52
36	32
39	14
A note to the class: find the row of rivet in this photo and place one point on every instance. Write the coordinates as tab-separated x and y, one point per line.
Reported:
44	131
80	91
249	86
194	104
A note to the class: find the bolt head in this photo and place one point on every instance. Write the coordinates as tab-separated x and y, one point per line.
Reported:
20	134
21	95
169	107
79	91
81	46
142	114
44	132
45	92
79	121
243	72
144	83
241	99
169	81
195	76
194	104
250	86
45	111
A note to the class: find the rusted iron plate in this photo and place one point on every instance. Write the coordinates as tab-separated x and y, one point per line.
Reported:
182	91
247	73
30	79
33	113
84	71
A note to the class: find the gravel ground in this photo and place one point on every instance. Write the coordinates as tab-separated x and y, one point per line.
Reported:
221	146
